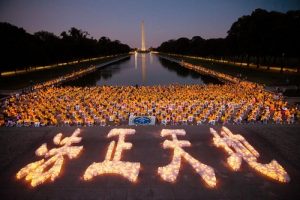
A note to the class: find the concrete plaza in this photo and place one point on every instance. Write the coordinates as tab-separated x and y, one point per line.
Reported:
279	142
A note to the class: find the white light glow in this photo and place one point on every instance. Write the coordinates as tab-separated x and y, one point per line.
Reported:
38	172
239	149
170	172
112	163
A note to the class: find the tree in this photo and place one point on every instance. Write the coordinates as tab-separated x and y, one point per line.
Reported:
21	49
255	37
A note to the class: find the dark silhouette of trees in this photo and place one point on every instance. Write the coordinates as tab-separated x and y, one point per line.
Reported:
268	38
20	49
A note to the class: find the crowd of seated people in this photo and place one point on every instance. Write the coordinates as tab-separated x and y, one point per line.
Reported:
236	103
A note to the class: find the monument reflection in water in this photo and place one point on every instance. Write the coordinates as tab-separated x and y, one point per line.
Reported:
144	68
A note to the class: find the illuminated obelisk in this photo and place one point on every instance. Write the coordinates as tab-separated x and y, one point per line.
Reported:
143	38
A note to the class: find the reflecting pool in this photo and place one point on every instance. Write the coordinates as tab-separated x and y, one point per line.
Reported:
143	69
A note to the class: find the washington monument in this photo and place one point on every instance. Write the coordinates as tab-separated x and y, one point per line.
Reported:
143	38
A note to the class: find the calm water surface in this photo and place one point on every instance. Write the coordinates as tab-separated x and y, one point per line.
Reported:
143	69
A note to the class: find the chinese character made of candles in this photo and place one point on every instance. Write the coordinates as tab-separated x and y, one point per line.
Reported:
112	163
239	149
170	172
49	168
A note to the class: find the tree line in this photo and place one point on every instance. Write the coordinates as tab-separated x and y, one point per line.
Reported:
20	49
263	38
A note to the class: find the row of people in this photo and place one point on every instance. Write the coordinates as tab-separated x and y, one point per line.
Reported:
173	104
64	78
204	70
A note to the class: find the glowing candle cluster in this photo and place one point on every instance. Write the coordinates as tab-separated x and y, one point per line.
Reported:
170	172
236	146
239	149
49	168
112	163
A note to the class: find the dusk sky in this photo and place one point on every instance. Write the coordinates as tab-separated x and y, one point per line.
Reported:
120	19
